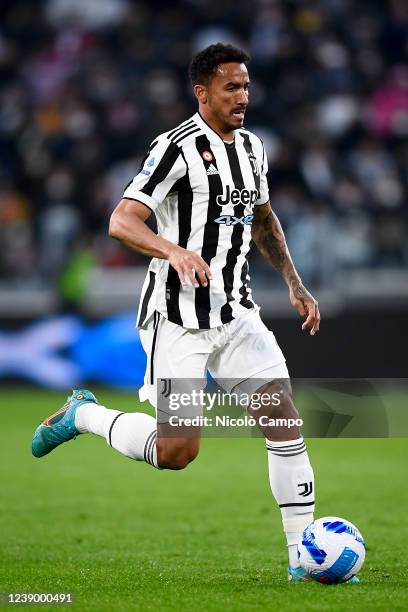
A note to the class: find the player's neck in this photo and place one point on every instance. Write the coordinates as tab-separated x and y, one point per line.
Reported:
211	121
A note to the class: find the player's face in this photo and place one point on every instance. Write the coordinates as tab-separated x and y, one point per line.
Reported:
227	95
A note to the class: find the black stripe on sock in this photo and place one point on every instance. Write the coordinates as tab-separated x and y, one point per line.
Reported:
271	445
146	445
145	450
303	450
150	452
112	424
149	446
285	450
295	451
296	504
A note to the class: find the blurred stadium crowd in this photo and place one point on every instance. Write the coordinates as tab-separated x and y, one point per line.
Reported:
87	84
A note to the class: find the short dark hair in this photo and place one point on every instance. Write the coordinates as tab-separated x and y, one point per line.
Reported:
205	63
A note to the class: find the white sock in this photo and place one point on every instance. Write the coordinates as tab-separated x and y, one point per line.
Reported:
131	433
96	419
292	482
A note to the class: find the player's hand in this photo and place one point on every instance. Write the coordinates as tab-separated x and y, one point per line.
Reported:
306	306
189	264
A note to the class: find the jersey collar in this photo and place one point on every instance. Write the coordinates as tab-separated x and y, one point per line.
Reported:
207	129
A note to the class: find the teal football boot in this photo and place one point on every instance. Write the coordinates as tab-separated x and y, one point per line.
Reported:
352	580
298	574
60	426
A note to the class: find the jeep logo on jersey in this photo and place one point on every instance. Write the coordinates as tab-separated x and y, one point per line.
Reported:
247	197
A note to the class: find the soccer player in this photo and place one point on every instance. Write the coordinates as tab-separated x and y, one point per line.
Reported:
205	180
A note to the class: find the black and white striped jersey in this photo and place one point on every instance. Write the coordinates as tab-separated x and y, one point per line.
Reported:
203	192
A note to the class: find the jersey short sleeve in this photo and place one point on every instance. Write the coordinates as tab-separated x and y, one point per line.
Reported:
161	168
263	186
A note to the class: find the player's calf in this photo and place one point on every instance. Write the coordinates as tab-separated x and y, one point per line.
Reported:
278	419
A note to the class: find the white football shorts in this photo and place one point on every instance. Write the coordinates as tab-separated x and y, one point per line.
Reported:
242	350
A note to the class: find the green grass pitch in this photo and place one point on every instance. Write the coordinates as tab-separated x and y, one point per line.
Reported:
122	536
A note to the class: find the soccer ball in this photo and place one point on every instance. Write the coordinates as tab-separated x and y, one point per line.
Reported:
331	550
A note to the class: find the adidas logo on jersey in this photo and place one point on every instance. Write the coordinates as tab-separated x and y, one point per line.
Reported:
212	170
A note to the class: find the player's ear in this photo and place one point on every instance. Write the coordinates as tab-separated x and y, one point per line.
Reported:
200	92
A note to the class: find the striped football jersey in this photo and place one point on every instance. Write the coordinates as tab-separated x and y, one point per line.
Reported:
203	192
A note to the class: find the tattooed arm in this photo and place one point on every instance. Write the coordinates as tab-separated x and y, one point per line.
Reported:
268	236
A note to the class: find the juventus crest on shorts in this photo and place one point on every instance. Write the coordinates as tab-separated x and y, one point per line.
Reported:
203	192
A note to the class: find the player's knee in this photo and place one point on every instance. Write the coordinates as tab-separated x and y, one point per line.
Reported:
175	457
174	461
